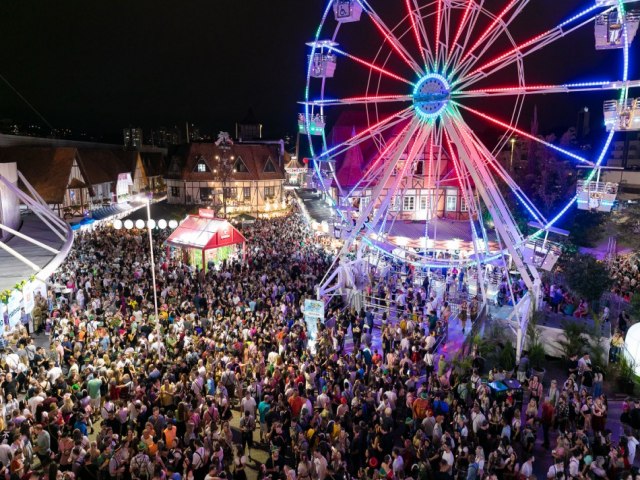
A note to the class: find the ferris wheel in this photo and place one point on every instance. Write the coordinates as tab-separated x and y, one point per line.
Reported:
414	180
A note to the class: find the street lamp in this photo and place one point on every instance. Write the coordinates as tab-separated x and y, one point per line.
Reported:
153	262
513	142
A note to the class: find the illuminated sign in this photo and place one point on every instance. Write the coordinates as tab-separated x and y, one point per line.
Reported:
206	213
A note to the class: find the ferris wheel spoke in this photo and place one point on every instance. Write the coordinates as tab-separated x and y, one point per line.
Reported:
501	30
530	46
459	30
490	30
436	44
419	141
370	132
374	99
467	192
376	167
389	167
505	125
416	31
502	173
544	89
391	38
370	65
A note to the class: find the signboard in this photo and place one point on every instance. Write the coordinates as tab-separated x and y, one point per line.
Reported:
13	309
29	297
313	310
206	213
225	231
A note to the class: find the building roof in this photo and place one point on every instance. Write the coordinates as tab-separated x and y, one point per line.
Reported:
204	233
47	169
153	163
102	166
294	163
352	168
262	162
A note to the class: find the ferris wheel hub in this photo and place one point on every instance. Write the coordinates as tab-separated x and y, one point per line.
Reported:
431	96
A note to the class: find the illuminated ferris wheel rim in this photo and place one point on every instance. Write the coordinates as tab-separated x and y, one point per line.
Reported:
434	91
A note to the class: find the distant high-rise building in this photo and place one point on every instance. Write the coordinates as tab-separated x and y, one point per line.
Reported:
249	128
194	133
132	138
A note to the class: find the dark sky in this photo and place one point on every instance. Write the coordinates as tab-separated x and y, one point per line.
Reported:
101	65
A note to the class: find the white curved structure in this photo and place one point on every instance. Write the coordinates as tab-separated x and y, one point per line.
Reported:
39	245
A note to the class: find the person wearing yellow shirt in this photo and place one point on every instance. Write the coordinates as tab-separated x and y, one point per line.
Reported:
167	392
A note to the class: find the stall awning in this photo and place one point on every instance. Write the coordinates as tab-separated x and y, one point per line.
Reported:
204	233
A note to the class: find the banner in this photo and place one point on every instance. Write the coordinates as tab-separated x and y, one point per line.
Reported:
29	297
313	310
30	290
13	309
4	318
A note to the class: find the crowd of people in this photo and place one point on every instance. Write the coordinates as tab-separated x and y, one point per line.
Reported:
624	270
122	394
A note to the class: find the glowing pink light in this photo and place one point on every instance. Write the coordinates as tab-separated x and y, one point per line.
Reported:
454	158
509	89
523	133
493	163
515	49
380	98
371	65
391	42
489	29
416	33
460	27
438	15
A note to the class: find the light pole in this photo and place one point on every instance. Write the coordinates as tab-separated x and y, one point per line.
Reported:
513	142
153	263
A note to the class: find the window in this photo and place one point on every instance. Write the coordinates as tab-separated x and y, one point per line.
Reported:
394	204
463	205
230	192
419	168
409	204
205	194
240	166
246	193
424	202
202	167
175	191
452	203
270	191
269	167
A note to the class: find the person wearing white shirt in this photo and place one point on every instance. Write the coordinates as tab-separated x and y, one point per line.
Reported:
632	445
447	455
526	470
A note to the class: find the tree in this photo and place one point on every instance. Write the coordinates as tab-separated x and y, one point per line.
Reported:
586	228
587	277
628	226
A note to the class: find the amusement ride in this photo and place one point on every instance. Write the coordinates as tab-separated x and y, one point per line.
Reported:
430	73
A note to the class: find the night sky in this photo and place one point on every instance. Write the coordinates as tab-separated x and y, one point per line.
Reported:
102	65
